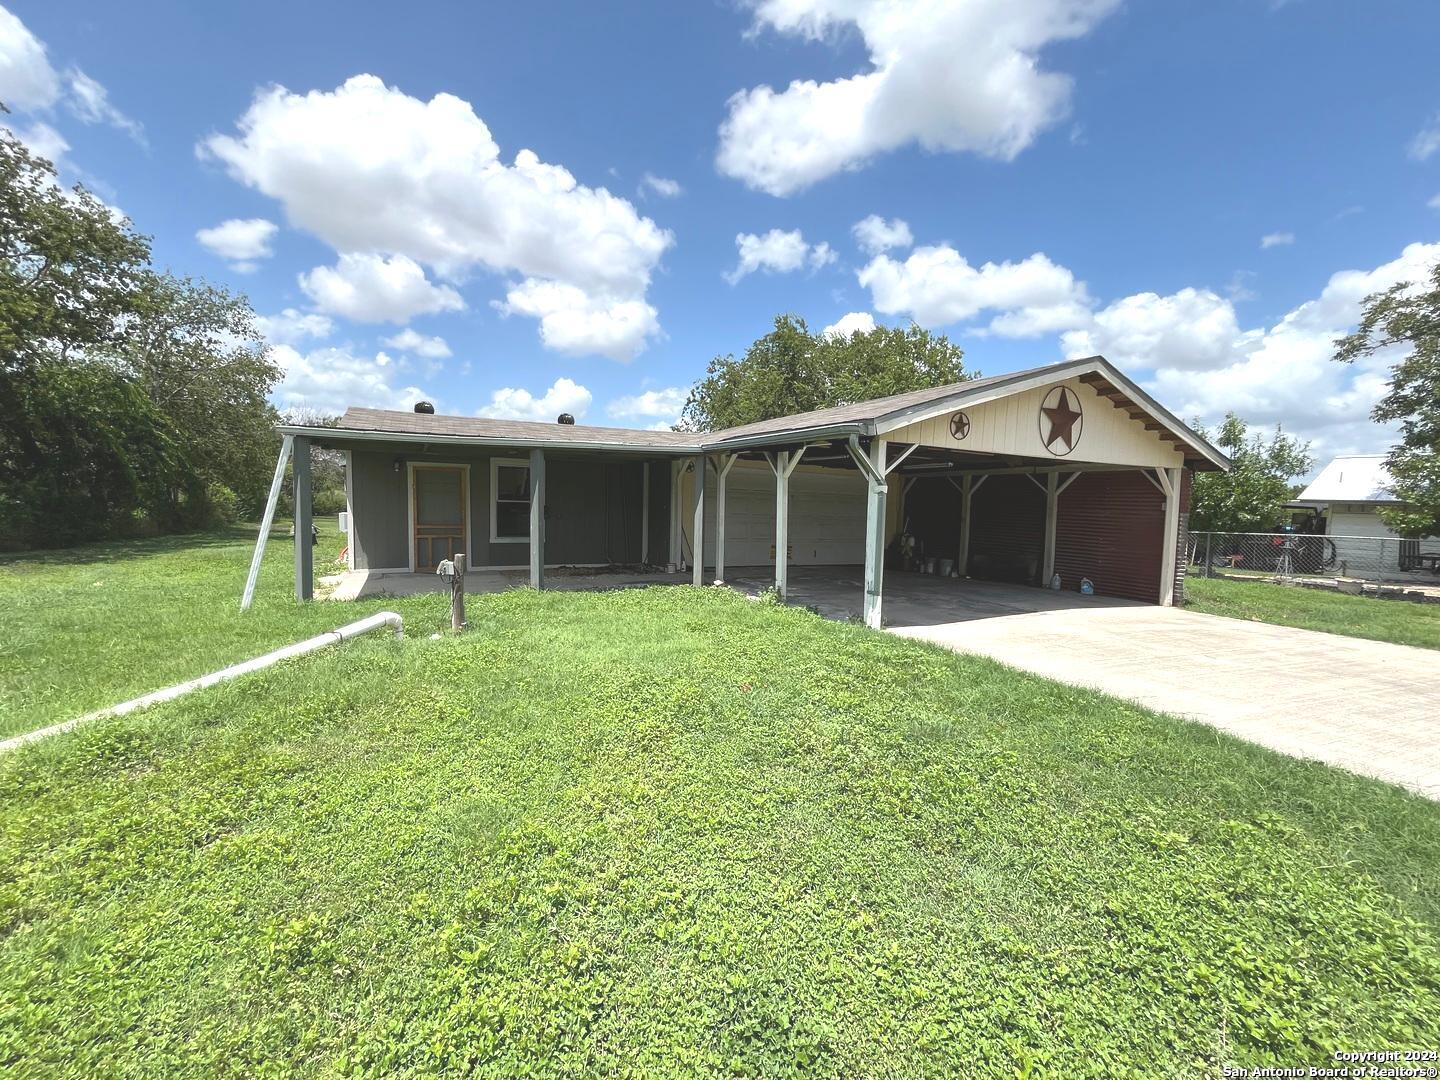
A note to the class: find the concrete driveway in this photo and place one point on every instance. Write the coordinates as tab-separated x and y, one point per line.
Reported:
1362	705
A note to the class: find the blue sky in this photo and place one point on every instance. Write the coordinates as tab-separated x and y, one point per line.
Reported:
1203	193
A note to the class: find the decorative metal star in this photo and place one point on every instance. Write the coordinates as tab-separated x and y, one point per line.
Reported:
959	426
1062	419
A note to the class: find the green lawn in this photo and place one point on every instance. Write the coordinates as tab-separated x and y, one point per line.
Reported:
96	625
1398	621
673	831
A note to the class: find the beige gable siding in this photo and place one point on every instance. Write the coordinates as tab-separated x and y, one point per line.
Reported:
1012	425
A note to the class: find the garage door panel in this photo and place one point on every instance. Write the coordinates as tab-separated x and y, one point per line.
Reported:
827	518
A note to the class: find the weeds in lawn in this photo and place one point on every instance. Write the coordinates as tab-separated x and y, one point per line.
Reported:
668	831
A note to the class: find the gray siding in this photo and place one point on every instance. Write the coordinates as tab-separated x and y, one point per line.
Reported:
377	500
593	511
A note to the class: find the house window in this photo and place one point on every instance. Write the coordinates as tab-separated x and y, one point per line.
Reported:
509	500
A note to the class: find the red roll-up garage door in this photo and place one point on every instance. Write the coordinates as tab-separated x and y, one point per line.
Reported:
1110	529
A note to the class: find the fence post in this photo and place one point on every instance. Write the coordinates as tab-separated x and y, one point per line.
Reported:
457	594
1209	566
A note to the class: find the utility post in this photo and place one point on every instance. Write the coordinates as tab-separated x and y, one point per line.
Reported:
457	593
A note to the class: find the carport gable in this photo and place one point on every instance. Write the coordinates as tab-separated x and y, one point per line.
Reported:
1069	414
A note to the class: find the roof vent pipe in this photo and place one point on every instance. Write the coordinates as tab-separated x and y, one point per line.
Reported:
565	418
424	407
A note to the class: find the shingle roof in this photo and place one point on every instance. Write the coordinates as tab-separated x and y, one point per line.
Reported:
396	422
861	417
864	411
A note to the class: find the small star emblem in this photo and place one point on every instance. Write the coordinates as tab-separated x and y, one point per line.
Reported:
959	426
1061	421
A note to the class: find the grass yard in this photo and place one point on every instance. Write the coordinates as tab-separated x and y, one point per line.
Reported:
673	831
96	625
1397	621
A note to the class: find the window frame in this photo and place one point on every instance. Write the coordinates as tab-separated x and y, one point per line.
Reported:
495	500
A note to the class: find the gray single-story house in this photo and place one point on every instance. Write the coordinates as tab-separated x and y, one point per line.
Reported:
1069	469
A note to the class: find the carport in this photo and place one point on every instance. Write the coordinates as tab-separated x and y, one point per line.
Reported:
1069	470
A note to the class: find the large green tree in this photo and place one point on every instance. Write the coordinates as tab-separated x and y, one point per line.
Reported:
792	370
1250	497
1407	317
195	349
128	399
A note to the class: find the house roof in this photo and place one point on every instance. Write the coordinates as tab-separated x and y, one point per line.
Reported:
510	432
866	418
1353	478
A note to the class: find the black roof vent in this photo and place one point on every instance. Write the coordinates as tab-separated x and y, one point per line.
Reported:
565	418
425	407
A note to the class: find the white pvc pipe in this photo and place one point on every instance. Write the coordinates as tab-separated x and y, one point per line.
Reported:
320	641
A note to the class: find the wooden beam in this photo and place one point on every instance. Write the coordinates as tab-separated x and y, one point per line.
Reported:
286	445
537	518
781	466
698	540
304	551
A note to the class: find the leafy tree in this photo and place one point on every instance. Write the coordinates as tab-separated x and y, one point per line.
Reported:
129	399
792	370
1407	316
195	349
1250	496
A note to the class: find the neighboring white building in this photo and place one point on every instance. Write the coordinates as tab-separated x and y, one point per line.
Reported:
1349	492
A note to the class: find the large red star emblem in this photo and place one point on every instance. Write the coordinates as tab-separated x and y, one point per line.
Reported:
1061	421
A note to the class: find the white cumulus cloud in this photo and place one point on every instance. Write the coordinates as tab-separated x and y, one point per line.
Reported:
661	407
29	83
874	234
854	322
373	288
778	252
290	326
948	75
573	321
331	379
937	286
1276	239
1205	364
371	170
425	345
662	186
241	241
564	395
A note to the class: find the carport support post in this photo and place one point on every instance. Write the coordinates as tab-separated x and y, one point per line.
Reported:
1170	485
722	470
875	535
962	565
304	549
537	518
782	518
699	540
1052	507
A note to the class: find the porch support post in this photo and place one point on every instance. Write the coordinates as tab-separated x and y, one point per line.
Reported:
537	518
645	513
962	565
699	539
1170	486
782	519
304	551
677	489
722	471
1052	507
269	519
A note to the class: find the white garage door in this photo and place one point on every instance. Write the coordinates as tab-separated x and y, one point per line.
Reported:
827	517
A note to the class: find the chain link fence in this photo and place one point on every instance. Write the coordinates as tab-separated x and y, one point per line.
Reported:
1299	555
